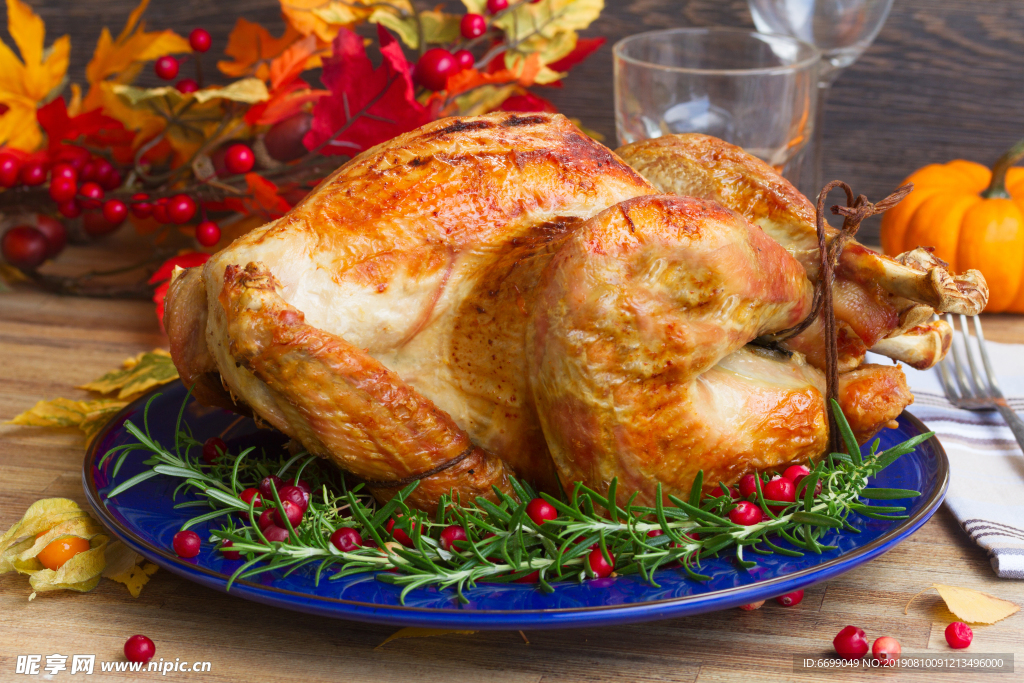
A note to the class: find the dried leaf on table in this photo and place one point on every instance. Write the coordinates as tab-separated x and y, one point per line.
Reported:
416	632
971	606
64	412
138	375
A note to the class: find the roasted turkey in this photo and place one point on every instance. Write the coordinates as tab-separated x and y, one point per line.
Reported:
501	296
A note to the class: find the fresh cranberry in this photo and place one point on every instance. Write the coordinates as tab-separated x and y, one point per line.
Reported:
253	496
93	194
959	635
473	26
63	189
239	158
186	86
186	543
346	539
269	485
139	649
751	606
275	534
10	170
33	173
55	233
886	649
781	489
115	211
24	247
748	485
181	208
101	170
160	211
541	511
295	495
305	486
532	577
495	6
790	599
112	180
88	172
434	67
746	514
451	534
851	643
398	534
229	554
72	208
166	67
213	448
724	490
141	208
63	170
795	473
266	519
200	40
292	511
654	533
464	59
599	564
207	233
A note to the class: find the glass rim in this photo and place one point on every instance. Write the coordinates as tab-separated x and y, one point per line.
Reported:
815	53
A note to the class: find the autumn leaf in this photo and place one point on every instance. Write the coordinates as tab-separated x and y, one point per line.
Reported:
416	632
252	50
136	376
970	605
64	412
366	105
439	28
522	75
584	48
325	19
120	59
547	29
92	128
31	80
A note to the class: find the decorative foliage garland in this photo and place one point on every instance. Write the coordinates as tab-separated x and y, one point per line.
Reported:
535	539
197	163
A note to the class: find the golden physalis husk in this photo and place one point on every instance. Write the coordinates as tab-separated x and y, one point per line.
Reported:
54	518
971	606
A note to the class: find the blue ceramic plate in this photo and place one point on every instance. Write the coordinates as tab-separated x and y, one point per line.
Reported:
144	518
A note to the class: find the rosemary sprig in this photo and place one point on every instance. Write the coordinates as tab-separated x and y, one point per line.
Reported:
503	544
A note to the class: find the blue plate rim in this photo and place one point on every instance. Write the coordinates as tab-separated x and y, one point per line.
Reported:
522	618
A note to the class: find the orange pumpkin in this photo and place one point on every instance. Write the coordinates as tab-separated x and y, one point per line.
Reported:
973	217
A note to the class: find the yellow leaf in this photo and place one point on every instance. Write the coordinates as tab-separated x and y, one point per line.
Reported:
547	29
42	515
63	412
134	577
970	605
475	6
438	27
138	375
123	566
95	420
247	90
323	19
415	632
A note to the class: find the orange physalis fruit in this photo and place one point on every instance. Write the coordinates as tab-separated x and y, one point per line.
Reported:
60	551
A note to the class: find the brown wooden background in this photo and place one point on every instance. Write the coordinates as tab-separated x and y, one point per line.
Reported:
944	79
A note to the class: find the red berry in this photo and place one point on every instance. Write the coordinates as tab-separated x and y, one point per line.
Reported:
780	489
599	564
748	485
751	606
790	599
292	511
532	577
451	534
139	649
115	211
186	543
186	85
103	169
851	643
399	534
275	534
473	25
207	233
251	495
181	208
55	233
70	209
266	519
63	170
886	649
746	514
229	554
795	473
654	533
10	170
200	40
140	207
160	211
724	490
89	170
63	189
112	181
434	68
541	511
213	448
284	139
166	67
495	6
295	495
33	173
239	158
93	194
306	488
346	539
270	484
24	247
464	59
959	635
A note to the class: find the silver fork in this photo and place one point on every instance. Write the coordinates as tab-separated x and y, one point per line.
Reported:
972	390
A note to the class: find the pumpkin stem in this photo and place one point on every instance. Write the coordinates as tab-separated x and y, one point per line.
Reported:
997	187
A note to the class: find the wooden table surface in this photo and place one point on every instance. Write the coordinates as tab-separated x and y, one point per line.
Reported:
50	344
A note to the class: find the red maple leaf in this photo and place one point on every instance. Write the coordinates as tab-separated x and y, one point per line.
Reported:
584	48
92	127
366	105
528	102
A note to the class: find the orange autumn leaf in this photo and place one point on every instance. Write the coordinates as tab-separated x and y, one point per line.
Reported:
31	80
121	59
252	49
298	57
324	18
266	198
468	79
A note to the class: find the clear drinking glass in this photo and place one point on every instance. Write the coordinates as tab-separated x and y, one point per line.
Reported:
841	29
754	90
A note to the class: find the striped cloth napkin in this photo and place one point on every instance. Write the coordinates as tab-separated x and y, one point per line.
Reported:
986	488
